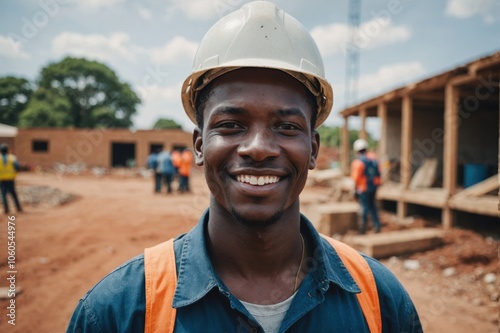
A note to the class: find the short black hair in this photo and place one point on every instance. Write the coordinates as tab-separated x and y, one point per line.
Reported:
3	148
206	93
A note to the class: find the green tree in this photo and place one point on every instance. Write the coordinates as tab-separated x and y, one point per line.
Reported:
332	137
329	136
82	94
14	96
47	108
164	123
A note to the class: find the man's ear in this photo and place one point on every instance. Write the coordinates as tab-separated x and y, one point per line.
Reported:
198	146
314	149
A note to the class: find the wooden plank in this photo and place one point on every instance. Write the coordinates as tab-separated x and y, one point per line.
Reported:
395	243
426	174
432	197
485	205
481	188
390	191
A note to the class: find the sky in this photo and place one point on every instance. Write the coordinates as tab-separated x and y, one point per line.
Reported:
151	44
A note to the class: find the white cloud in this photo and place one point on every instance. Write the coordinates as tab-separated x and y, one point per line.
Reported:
161	102
94	46
488	9
178	48
204	9
96	4
389	77
331	39
334	38
145	13
193	9
12	49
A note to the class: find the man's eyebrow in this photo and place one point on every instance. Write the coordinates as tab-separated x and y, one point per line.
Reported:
228	110
289	112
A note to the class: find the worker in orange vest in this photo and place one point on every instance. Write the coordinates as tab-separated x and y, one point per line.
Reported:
175	155
8	171
366	175
186	161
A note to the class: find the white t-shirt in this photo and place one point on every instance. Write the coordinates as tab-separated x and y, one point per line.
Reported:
269	316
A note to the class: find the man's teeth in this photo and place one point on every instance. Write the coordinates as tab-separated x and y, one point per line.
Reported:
260	180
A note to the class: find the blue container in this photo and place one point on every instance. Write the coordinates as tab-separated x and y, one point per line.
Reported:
474	173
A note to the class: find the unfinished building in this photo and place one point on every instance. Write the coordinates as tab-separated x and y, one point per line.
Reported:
439	142
93	147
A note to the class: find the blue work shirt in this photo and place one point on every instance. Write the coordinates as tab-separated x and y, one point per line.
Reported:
165	164
325	302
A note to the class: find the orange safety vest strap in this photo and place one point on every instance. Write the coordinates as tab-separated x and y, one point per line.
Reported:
362	274
161	281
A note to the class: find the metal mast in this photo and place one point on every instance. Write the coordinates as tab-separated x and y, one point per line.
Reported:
352	53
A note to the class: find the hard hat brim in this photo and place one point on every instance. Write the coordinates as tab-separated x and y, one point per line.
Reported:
197	81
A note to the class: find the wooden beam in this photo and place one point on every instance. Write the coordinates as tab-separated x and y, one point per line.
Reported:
432	197
362	132
485	205
382	143
462	79
395	243
345	147
450	148
406	141
482	188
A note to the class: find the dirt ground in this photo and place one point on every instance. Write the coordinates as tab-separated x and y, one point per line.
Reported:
62	251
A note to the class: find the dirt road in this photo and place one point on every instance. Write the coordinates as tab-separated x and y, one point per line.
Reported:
62	251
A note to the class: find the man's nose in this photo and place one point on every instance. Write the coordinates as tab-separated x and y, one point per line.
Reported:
259	144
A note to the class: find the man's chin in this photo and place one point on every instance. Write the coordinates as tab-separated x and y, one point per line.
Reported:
255	221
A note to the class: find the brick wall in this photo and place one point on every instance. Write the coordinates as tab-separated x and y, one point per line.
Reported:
90	146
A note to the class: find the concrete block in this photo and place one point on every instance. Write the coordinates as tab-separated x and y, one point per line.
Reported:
395	243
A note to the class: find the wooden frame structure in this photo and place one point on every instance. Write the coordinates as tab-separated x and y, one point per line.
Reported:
452	117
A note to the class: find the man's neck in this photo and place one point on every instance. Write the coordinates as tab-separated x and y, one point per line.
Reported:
245	253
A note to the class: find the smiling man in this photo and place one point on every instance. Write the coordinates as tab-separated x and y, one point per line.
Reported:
253	263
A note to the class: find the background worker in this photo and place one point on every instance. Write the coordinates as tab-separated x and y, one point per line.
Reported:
253	263
152	164
8	171
185	164
175	155
365	171
166	168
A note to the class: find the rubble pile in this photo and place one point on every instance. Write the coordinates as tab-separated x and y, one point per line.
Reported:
466	266
43	196
340	188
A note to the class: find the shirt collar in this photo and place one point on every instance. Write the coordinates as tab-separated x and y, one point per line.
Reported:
196	275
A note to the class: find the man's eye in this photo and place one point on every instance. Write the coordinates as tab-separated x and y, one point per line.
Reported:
229	125
288	127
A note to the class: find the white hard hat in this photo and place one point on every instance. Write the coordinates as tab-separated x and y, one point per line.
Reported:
259	35
360	144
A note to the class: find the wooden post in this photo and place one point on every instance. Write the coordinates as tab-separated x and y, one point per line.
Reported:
382	143
406	143
362	132
450	149
345	147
